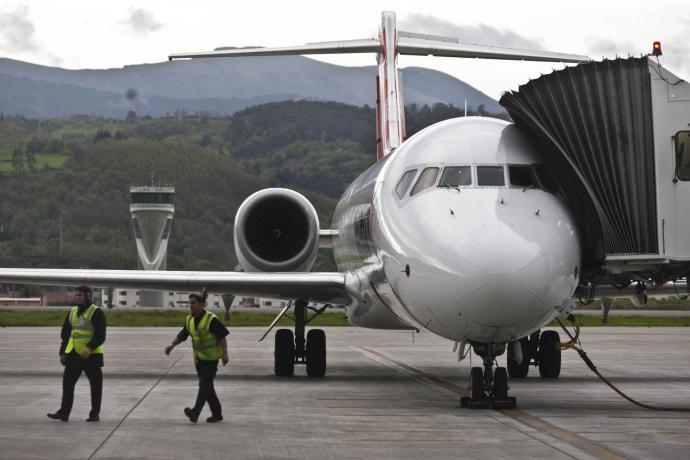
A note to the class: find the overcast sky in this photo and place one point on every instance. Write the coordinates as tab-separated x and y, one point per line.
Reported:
94	34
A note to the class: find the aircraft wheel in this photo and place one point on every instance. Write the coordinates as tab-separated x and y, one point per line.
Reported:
500	383
549	355
316	353
284	353
519	370
477	382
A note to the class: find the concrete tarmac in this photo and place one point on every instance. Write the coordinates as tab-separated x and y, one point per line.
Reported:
387	394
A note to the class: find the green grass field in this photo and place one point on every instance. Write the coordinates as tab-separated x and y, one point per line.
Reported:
129	318
52	160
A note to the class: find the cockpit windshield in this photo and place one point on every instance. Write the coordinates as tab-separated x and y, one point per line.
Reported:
426	179
456	176
490	176
405	182
522	176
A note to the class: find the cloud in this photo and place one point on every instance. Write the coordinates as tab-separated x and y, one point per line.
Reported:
607	47
676	49
477	33
142	21
17	31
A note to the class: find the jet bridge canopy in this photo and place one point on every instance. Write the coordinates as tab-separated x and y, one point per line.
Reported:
598	118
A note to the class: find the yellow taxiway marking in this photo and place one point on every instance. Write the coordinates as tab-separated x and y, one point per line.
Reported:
523	417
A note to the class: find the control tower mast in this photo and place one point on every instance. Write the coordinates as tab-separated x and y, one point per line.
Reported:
152	212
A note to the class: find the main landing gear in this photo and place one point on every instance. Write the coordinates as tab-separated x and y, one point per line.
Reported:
489	387
291	349
539	349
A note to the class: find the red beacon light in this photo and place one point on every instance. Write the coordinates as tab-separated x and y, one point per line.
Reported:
656	49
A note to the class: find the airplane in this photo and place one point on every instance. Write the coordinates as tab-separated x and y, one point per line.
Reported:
456	230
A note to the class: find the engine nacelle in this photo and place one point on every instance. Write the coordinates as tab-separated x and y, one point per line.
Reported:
276	230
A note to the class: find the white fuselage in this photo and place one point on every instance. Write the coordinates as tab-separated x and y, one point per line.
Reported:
487	263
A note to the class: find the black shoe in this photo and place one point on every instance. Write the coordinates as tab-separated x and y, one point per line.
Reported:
193	417
93	418
58	416
214	419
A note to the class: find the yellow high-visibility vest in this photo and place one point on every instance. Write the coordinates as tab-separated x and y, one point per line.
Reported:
205	345
82	330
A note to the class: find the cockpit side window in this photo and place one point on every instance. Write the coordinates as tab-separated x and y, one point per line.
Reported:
405	182
682	146
490	176
426	179
551	182
522	176
456	176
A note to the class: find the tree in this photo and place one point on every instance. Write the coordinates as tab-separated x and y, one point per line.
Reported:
30	161
131	117
18	159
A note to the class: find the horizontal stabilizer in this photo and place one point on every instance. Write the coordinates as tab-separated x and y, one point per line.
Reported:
422	45
320	287
368	45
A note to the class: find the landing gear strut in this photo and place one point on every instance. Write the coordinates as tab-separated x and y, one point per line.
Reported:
489	387
297	349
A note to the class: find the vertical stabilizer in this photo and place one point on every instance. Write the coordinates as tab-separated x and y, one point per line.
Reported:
390	116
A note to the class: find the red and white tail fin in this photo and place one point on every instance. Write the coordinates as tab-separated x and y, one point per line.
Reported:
390	111
390	115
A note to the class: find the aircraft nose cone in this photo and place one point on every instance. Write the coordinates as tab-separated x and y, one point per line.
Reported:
491	266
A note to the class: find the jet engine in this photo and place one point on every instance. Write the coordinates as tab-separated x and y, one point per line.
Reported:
276	230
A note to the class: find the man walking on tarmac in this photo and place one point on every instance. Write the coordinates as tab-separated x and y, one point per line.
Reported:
209	345
81	350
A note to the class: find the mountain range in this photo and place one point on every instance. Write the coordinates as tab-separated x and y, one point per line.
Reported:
214	86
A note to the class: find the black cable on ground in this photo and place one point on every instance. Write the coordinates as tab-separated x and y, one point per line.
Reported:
594	369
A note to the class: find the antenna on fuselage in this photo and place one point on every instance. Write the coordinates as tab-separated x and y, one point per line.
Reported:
390	114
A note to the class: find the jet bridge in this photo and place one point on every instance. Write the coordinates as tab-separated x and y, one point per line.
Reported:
621	128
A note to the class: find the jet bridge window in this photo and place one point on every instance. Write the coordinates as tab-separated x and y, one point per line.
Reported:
682	146
522	176
456	176
405	182
490	176
426	179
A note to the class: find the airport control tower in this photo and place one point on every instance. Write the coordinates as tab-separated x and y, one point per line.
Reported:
152	214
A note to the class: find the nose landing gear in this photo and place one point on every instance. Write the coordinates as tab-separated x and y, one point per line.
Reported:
489	387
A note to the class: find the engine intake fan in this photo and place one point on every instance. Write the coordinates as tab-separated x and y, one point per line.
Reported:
276	230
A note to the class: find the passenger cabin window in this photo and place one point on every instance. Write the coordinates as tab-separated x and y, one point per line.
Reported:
405	182
490	176
522	176
426	179
456	176
682	145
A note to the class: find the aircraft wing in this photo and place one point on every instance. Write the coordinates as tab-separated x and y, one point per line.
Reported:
320	287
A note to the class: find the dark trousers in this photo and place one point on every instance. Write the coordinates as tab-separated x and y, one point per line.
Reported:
69	380
206	370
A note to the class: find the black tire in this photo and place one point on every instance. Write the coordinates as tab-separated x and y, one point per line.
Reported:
477	383
519	370
284	353
500	383
549	355
316	353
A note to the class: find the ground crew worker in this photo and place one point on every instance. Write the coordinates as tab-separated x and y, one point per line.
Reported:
209	345
81	350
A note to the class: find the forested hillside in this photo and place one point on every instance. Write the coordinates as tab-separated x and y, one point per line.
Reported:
73	174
